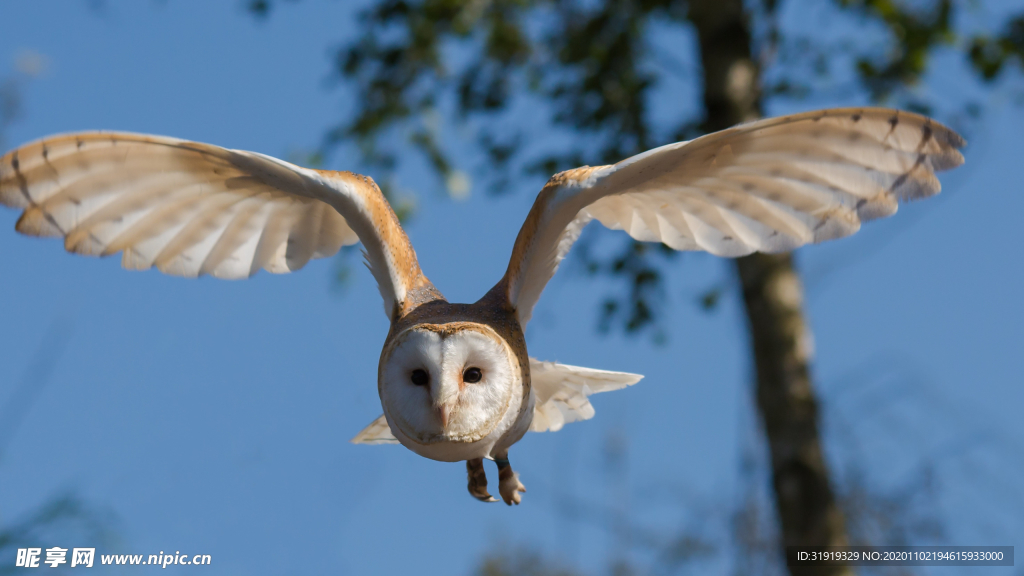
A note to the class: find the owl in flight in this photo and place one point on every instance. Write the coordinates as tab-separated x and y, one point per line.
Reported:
455	380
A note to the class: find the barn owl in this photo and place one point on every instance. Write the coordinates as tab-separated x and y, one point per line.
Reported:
455	380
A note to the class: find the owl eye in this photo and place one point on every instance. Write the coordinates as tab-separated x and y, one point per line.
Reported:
420	377
472	375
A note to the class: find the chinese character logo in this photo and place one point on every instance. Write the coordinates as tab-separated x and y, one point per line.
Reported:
56	556
82	557
28	557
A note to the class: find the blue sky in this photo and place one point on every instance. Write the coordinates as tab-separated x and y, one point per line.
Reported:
213	417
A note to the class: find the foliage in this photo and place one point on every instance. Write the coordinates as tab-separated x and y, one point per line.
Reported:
27	65
60	516
991	54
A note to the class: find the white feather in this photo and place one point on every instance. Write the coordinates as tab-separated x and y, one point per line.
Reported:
191	209
770	186
561	392
378	432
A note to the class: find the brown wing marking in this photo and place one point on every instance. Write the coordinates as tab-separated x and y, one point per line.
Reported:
398	252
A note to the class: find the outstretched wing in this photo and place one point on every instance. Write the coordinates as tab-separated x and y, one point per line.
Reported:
190	209
561	392
770	186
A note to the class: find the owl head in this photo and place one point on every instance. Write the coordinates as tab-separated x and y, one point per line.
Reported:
447	383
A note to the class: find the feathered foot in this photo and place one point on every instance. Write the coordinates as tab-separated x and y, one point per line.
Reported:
478	480
509	485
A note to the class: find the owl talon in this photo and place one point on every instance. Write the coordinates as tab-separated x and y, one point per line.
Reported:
511	489
509	485
478	480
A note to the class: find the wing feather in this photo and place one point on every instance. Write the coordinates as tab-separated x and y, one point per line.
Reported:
378	432
770	186
191	209
562	391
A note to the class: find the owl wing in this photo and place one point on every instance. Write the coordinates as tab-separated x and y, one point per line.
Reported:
378	432
769	186
561	392
190	209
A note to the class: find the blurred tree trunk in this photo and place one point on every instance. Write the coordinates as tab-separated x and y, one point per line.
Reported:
773	295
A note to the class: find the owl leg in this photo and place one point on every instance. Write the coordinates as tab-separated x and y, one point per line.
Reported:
509	485
478	480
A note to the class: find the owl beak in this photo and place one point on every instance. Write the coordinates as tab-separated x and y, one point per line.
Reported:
443	412
445	397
